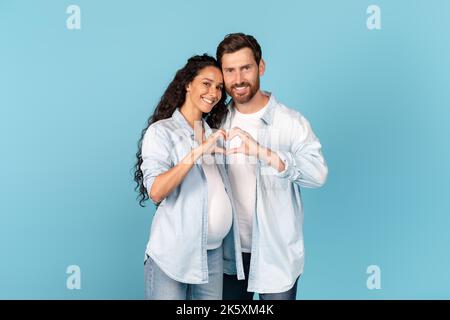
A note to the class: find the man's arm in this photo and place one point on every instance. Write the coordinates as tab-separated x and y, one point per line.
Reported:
304	162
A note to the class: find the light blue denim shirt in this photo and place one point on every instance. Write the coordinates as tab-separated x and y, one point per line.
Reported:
179	230
277	254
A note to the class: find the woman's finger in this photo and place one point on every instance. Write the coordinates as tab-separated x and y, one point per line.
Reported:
220	133
219	150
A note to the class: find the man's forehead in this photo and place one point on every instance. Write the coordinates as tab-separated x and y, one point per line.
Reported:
238	58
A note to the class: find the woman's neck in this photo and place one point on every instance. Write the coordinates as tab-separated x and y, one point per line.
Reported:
194	117
191	114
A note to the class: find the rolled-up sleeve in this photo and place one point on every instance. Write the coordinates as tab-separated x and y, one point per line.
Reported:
304	162
156	157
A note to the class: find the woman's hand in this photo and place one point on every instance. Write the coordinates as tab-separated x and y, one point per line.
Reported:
166	182
209	146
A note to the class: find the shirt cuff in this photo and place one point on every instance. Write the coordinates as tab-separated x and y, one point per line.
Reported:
148	183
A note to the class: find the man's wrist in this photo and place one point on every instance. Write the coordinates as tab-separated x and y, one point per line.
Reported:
271	158
263	153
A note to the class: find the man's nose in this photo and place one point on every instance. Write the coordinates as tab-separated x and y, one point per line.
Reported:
238	77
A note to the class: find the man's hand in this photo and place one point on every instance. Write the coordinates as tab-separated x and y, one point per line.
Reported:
251	147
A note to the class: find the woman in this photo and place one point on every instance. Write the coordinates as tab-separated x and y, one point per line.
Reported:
180	168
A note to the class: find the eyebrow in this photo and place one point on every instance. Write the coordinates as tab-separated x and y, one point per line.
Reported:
240	67
212	80
220	83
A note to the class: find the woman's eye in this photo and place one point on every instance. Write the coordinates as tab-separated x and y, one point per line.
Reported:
206	84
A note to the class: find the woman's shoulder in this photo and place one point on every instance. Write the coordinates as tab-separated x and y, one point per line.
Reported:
162	127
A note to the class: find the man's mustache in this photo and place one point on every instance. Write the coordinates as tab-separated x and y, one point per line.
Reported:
242	84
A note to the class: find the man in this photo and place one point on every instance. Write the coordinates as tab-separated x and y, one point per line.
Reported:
272	153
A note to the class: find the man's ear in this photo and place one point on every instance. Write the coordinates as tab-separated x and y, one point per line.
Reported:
262	67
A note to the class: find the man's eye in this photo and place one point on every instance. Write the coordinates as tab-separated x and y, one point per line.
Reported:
206	84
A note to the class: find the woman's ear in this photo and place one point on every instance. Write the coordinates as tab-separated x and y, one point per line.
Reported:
188	87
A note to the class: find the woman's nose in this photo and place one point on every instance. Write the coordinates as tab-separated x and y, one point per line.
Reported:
213	92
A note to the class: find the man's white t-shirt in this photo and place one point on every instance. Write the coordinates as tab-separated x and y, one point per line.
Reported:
242	173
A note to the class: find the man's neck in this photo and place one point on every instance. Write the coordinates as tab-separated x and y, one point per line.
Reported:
255	104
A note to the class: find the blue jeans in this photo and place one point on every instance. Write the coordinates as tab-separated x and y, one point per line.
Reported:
159	286
234	289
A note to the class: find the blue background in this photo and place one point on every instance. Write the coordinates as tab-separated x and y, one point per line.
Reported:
73	103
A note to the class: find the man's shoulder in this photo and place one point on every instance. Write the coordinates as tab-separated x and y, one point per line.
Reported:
284	112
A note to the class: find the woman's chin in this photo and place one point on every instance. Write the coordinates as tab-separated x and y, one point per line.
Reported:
207	109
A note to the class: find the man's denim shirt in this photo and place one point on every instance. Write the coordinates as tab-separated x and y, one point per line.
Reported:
277	254
178	236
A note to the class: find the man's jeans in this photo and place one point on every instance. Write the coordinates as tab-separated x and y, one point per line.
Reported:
159	286
234	289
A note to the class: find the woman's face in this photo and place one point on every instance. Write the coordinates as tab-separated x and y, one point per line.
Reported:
206	89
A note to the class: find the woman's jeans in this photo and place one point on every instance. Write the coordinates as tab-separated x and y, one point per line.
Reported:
159	286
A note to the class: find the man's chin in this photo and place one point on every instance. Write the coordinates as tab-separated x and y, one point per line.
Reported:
241	99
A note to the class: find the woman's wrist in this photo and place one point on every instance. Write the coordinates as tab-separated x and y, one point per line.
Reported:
192	157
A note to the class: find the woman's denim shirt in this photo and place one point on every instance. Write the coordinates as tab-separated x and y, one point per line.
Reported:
179	231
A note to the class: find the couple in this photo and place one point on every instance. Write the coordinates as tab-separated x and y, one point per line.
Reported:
229	212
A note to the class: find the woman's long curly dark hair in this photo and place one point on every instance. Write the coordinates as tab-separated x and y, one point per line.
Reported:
174	98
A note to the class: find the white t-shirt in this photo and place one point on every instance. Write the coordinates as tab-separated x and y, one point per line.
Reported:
219	206
243	175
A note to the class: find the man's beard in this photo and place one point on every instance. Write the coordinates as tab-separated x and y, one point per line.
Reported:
241	99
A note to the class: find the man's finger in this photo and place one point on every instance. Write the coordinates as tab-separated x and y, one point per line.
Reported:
238	133
233	130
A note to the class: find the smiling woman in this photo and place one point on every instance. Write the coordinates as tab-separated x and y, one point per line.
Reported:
184	257
187	93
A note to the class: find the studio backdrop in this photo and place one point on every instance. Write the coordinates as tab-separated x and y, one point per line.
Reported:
79	79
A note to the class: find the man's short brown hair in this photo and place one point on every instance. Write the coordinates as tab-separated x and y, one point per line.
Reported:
236	41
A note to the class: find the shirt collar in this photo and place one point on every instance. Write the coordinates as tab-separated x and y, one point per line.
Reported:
181	120
267	117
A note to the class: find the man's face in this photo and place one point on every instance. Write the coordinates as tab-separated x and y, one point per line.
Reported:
241	74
